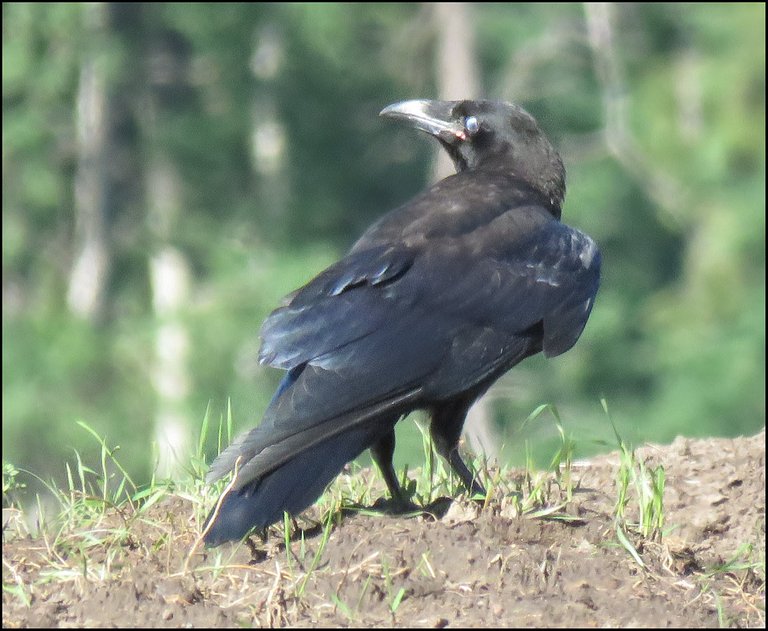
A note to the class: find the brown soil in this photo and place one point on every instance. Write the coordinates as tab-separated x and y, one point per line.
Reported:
476	566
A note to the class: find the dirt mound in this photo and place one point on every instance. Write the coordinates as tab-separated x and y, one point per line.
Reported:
474	566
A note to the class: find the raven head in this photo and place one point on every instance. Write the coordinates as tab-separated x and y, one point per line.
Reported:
489	134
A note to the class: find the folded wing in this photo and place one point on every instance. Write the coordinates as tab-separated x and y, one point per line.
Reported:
388	328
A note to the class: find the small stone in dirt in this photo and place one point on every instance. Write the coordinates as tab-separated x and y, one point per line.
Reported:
459	513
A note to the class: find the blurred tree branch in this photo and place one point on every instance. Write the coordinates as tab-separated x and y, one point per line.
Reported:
668	194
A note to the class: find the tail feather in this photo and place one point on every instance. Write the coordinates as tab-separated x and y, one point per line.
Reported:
292	487
262	450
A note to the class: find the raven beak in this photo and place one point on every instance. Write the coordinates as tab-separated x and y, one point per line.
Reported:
433	117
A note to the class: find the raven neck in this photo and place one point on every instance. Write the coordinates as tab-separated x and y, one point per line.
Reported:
548	197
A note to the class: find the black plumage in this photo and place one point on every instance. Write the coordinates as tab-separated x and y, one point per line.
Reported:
432	304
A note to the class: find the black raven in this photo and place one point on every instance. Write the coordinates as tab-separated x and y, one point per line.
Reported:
433	303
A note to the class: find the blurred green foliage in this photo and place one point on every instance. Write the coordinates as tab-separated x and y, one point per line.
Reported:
676	340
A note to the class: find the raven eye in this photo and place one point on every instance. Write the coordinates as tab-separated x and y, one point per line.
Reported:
472	125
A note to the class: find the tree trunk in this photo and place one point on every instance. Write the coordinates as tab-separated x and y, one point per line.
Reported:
456	64
90	270
458	78
169	269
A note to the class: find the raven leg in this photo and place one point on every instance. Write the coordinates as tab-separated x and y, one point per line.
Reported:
445	429
382	451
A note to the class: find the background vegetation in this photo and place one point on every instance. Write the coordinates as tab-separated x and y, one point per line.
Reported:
171	170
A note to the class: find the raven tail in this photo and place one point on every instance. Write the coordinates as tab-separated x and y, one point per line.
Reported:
292	487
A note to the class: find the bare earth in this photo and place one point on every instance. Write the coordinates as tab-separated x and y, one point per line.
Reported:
475	566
